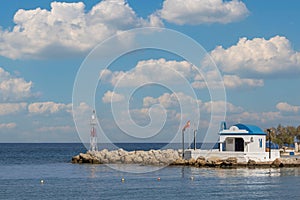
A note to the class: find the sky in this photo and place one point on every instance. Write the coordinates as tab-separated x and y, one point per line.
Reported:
253	45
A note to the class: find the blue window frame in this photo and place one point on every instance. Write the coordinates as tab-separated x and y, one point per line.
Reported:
260	143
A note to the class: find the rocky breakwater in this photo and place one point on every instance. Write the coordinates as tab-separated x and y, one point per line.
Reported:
152	157
232	162
207	162
287	162
173	157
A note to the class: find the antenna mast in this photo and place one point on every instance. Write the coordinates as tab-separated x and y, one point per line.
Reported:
93	136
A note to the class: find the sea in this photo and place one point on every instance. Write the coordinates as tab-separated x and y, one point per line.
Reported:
45	171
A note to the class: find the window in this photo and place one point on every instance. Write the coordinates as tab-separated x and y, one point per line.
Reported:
260	143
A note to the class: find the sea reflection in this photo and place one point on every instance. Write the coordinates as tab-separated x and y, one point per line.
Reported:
93	170
241	172
96	171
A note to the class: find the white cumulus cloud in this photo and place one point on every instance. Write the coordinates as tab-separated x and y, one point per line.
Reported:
195	12
233	81
285	107
230	82
11	108
263	119
67	28
110	97
82	108
171	72
219	106
48	107
258	56
172	100
12	88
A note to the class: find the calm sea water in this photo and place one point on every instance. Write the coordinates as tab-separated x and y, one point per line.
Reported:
23	166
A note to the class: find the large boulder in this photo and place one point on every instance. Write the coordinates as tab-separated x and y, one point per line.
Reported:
192	161
141	154
179	161
75	159
96	161
86	158
114	159
121	152
232	160
152	161
251	163
147	160
104	161
214	162
200	162
128	159
170	154
229	162
138	159
277	163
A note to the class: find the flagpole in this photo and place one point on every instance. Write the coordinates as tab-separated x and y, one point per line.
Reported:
195	139
183	130
183	143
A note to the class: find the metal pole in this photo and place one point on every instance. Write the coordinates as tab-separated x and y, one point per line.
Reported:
195	139
269	131
182	144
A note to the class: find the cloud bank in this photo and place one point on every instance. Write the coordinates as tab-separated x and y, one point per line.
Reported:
67	28
258	57
195	12
167	71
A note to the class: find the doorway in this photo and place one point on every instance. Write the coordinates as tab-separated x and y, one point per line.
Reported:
239	144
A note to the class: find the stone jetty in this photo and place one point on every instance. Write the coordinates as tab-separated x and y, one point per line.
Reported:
173	157
152	157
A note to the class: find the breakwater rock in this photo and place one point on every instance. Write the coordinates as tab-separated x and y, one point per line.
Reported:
173	157
152	157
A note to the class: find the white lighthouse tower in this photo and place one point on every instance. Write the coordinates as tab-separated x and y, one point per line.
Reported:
93	136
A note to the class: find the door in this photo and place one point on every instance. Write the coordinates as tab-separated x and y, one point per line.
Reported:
239	144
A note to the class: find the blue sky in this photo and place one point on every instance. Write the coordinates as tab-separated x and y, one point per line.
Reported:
255	45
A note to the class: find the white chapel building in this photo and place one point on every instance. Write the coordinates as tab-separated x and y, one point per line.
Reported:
242	141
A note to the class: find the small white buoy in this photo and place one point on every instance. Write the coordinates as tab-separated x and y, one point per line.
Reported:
123	179
42	181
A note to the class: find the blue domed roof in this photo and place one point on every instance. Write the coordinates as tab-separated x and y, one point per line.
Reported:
242	129
252	129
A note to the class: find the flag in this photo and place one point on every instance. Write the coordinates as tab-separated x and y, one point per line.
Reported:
187	125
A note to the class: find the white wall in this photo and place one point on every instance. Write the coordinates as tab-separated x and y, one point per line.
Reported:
251	142
241	156
255	145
